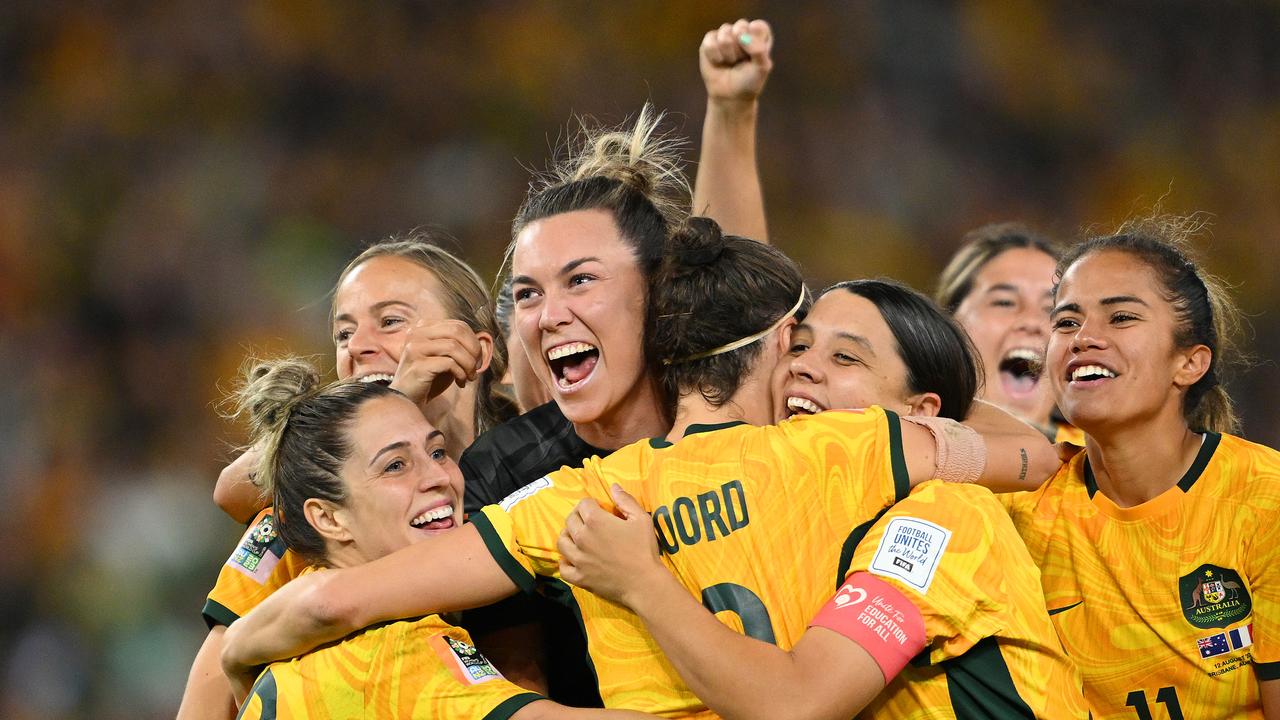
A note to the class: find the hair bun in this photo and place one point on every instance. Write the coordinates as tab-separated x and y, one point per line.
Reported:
270	390
698	242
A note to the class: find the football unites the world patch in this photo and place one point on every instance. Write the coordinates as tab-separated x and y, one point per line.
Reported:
910	551
463	660
1214	645
1214	597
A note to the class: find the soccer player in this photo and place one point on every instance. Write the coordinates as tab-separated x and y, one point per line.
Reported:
940	580
408	313
809	482
1158	544
357	472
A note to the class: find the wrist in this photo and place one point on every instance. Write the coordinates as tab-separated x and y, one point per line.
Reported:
737	110
646	587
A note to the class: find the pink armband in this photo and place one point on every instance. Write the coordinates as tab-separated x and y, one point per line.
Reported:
961	455
881	620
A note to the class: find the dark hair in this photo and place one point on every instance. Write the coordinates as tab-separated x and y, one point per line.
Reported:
1204	310
711	290
465	298
980	247
633	174
302	430
938	353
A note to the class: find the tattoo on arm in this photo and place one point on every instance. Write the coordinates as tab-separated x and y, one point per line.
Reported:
1022	474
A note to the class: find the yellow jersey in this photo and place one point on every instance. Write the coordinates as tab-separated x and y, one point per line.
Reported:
258	567
423	668
991	650
1169	607
759	522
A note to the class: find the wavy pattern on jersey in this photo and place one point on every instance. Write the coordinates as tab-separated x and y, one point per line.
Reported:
985	587
1113	576
806	484
387	671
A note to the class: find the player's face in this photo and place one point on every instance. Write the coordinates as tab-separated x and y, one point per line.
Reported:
579	310
401	486
375	307
1112	359
1007	315
843	356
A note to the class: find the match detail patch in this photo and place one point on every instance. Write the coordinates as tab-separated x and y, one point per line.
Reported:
1214	645
525	492
879	618
463	660
910	551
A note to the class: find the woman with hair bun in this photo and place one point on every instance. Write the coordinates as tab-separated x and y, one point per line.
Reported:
356	472
1157	545
720	313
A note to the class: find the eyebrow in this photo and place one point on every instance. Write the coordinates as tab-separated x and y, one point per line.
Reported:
348	317
857	340
568	268
393	446
1006	287
1113	300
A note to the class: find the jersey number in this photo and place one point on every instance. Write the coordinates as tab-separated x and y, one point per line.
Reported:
1167	696
743	602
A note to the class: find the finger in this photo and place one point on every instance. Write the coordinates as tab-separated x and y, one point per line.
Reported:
573	525
730	47
717	50
627	504
570	573
761	40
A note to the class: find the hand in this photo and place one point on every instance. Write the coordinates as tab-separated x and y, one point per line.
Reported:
606	554
436	355
734	60
241	676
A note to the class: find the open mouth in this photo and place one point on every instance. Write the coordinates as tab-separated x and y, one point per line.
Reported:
440	518
1089	374
380	378
1020	370
802	406
572	363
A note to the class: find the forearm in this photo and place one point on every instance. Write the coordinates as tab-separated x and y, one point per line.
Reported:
235	492
1019	457
285	625
736	676
727	188
208	694
548	710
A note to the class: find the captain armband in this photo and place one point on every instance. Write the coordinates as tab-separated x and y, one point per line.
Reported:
879	618
960	452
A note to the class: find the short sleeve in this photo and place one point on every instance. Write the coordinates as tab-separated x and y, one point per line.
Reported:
258	567
865	444
935	547
1262	568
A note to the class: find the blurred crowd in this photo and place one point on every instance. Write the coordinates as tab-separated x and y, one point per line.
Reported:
181	183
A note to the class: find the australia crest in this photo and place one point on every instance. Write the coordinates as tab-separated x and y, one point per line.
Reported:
1214	597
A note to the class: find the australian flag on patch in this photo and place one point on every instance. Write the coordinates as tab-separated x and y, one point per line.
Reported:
1213	645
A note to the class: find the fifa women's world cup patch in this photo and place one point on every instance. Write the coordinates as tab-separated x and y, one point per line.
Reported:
463	660
910	551
1214	597
259	550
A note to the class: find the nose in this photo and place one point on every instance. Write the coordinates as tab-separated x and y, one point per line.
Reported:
554	312
802	367
362	341
1089	336
1032	319
436	475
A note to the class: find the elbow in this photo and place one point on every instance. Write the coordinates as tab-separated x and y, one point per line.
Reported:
326	608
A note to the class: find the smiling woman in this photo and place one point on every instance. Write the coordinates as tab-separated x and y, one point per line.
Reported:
1157	545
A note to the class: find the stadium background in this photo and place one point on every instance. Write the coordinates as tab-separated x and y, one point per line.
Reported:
181	181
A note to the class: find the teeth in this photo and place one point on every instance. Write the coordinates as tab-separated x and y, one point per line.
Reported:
569	349
1027	354
565	384
1091	370
439	513
803	405
377	377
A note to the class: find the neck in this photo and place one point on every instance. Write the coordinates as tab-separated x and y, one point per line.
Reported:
1137	463
642	416
750	403
343	555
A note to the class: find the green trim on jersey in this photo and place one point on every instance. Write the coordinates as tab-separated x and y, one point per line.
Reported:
215	614
508	707
659	443
851	545
493	543
559	591
1267	671
265	689
898	459
1207	448
981	687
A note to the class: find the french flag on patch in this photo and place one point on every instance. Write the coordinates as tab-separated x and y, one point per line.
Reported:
1213	645
1241	637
